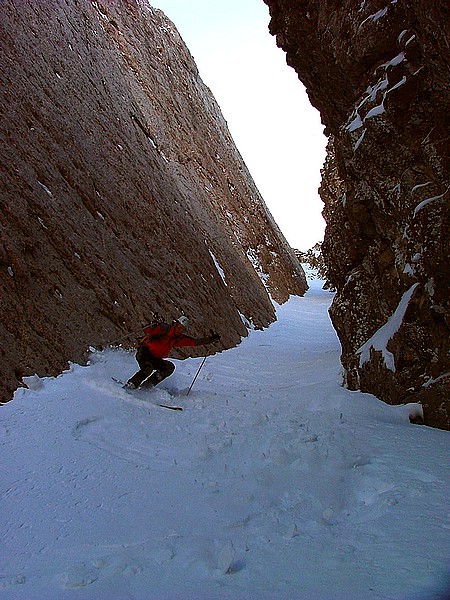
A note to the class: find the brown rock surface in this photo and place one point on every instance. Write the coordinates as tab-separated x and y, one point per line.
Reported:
122	189
379	72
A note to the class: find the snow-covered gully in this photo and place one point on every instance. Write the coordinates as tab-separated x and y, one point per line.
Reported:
273	483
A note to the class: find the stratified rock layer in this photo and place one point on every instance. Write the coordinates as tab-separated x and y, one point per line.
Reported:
379	74
122	190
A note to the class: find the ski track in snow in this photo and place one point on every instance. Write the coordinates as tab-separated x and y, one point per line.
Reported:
274	482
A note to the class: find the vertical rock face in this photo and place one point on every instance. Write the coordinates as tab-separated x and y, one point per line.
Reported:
379	74
122	190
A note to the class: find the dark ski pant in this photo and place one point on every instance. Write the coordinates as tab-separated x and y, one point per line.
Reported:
148	363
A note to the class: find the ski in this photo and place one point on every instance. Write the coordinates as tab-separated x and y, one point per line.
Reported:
154	403
169	407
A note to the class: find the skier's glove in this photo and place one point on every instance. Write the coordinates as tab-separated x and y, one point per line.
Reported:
210	339
214	338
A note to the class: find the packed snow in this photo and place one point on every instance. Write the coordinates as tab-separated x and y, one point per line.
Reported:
400	57
356	121
428	200
219	268
381	337
274	482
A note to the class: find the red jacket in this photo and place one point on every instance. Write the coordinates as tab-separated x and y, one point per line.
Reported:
161	339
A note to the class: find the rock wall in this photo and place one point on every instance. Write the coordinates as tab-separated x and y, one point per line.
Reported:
122	190
379	74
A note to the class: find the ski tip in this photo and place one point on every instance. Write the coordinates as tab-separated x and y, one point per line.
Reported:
133	389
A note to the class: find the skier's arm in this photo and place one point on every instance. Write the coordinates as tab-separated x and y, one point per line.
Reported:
185	340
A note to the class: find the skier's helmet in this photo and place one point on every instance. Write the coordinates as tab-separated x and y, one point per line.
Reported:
183	320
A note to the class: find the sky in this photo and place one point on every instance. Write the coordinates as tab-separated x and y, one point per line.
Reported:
275	128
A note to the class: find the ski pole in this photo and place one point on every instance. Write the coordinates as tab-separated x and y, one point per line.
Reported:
131	333
105	343
124	337
196	375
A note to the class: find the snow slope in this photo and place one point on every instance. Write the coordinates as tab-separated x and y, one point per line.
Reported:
273	483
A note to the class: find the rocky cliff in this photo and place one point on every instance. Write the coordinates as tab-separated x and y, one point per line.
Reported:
122	190
378	72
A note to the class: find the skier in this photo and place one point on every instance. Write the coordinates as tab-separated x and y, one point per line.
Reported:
156	345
